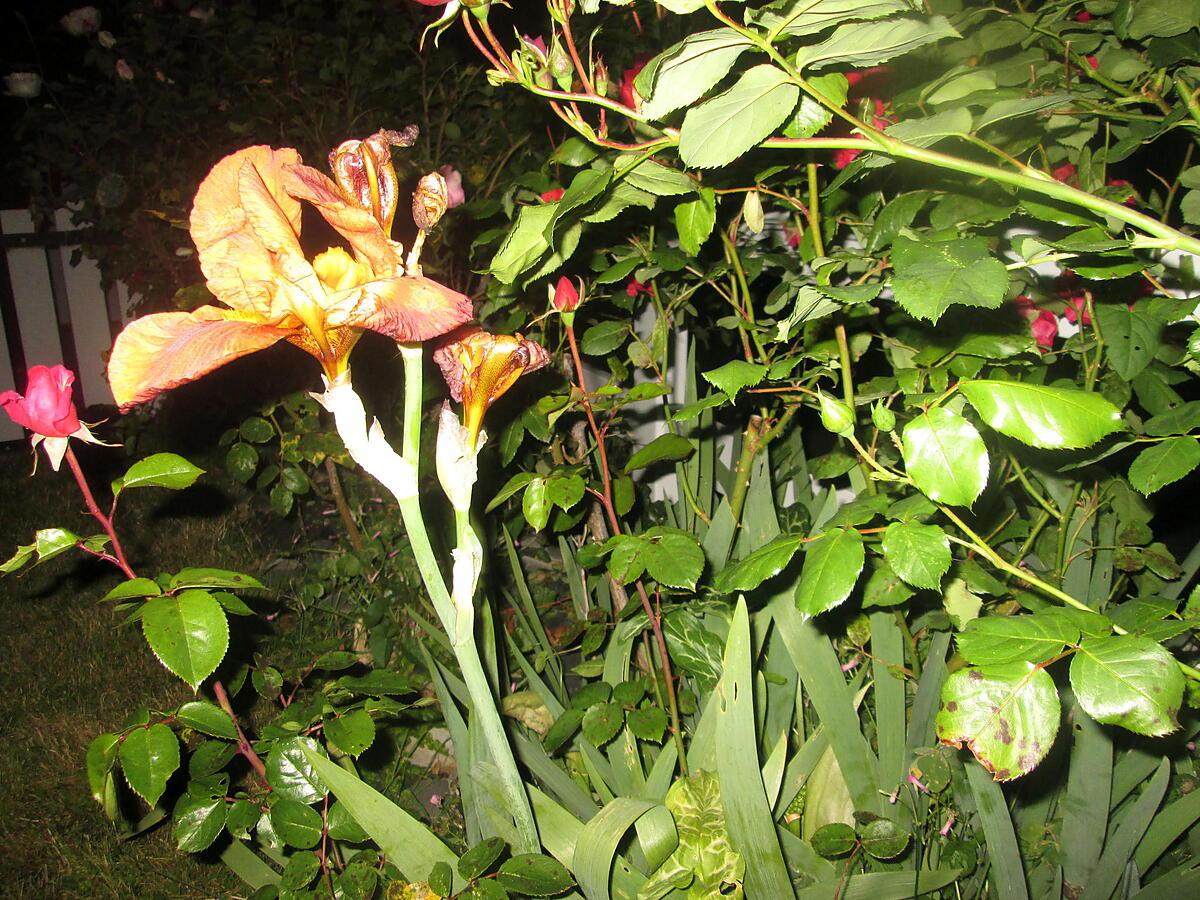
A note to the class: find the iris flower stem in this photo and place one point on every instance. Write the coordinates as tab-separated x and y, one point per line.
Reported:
466	651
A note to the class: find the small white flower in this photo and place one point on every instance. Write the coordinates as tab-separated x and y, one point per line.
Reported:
124	70
106	40
81	21
23	84
201	13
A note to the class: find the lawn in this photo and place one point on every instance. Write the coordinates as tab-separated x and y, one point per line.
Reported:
72	670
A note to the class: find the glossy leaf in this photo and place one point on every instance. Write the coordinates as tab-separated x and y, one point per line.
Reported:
932	276
291	773
189	633
602	722
668	447
735	376
1128	681
297	824
207	718
479	859
694	221
995	640
149	756
920	554
535	505
832	564
945	457
167	470
1047	417
351	733
720	130
765	562
1006	715
198	821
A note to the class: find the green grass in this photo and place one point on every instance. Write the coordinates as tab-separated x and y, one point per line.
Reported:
69	670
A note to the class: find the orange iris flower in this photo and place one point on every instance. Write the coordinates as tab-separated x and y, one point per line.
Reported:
479	367
246	226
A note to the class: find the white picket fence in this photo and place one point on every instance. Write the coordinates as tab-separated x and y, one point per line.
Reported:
51	311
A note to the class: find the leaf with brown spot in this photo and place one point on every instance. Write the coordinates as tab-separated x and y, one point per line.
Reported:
1007	715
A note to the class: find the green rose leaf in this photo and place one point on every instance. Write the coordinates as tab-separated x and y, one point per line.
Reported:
694	220
300	870
166	470
995	640
945	457
735	376
1131	337
672	557
649	724
291	775
207	718
686	72
1164	463
868	44
834	839
832	564
603	338
765	562
525	242
667	446
654	178
1047	417
189	633
1128	681
1006	715
351	733
534	875
149	756
920	554
602	722
932	276
101	755
884	839
296	824
242	461
535	504
480	858
720	130
198	821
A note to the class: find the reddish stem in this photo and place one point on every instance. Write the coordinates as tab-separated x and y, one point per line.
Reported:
244	747
119	560
610	510
105	521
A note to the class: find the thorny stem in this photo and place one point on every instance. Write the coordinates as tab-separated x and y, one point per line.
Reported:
614	523
243	743
244	746
105	521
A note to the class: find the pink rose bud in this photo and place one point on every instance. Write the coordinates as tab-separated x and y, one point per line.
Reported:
566	295
123	70
46	408
455	196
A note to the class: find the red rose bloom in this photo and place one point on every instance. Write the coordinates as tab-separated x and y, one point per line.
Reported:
551	196
1044	328
566	295
627	92
46	408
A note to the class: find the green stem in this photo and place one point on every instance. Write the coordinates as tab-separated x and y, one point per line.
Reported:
483	700
984	549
